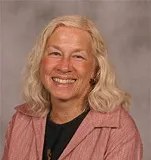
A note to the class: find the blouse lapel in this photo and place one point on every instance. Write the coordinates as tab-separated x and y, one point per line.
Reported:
84	129
39	130
92	120
38	126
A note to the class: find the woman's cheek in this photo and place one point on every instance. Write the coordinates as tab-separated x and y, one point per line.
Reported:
45	61
45	65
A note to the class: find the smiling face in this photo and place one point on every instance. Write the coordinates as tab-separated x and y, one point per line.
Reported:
68	64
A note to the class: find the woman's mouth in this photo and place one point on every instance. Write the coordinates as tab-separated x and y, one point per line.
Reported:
63	81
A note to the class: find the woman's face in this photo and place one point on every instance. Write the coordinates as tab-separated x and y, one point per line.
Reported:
68	64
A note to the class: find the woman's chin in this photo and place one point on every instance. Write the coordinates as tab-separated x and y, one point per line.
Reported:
62	97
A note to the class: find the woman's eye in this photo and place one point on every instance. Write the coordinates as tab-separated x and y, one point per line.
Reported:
54	54
78	57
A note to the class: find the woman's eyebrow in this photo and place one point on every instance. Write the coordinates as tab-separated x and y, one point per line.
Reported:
82	51
76	50
54	47
57	47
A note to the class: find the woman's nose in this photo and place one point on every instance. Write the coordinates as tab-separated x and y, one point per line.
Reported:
64	65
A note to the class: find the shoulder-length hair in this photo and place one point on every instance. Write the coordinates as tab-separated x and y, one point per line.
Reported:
104	96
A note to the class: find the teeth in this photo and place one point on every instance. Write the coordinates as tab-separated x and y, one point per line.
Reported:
64	81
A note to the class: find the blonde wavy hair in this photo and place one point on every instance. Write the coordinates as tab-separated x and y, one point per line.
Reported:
105	95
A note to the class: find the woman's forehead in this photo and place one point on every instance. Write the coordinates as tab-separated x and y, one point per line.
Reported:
70	36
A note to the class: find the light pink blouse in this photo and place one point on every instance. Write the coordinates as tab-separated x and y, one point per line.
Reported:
101	136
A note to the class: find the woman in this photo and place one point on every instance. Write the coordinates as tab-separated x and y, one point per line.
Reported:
74	110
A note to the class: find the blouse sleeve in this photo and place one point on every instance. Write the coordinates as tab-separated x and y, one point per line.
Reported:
128	148
8	137
125	141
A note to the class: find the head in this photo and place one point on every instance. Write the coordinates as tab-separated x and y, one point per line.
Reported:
68	65
102	94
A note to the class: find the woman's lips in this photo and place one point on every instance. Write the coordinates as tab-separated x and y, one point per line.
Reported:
63	81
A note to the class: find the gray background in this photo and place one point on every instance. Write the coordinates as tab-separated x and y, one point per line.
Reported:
125	25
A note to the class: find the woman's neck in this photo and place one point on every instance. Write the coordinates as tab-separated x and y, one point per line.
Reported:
65	111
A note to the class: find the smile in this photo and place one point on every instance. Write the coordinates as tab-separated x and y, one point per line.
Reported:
64	81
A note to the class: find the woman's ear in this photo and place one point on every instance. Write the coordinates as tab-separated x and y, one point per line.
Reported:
92	82
92	79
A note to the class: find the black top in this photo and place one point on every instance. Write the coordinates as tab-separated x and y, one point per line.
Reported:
57	136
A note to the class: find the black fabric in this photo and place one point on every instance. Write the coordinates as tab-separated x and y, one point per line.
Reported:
57	136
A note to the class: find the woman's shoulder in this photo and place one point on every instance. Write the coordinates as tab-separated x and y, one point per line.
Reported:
126	135
119	118
126	122
23	116
22	113
23	108
127	129
27	110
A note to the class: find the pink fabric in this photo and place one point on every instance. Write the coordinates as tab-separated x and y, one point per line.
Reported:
109	136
